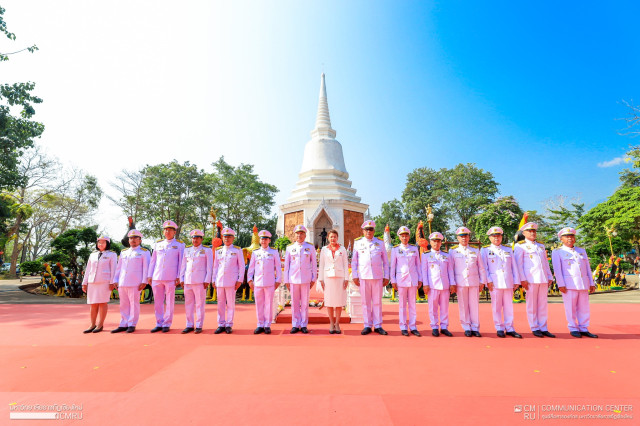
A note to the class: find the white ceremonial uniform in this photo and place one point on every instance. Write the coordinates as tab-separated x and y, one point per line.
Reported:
130	274
502	271
533	267
438	275
300	270
405	273
100	272
265	271
370	265
469	274
196	270
228	269
164	269
573	271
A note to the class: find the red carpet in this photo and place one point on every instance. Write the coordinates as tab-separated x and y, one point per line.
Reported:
145	378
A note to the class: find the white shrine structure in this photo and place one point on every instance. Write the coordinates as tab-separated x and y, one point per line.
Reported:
323	198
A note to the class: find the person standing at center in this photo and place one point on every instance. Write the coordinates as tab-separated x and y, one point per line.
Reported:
369	262
300	273
164	275
228	274
195	276
535	278
470	278
264	277
406	277
333	276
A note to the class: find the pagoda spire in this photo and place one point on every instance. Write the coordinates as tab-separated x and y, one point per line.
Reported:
323	120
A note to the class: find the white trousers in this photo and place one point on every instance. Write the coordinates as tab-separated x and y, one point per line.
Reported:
407	297
194	295
536	297
576	308
299	305
371	292
226	305
468	306
164	292
264	304
439	308
129	306
502	308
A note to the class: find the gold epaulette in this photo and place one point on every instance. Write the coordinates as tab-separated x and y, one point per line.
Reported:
487	246
455	247
179	241
237	247
396	245
358	238
204	245
125	249
506	245
427	251
144	248
190	245
159	239
522	242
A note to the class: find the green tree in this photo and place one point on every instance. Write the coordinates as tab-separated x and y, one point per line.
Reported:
505	212
425	187
281	243
17	132
240	197
75	245
467	189
619	214
393	214
630	178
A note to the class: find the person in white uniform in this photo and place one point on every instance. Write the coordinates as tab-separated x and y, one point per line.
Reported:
575	281
535	278
228	273
195	275
98	281
502	277
406	278
264	276
131	277
438	276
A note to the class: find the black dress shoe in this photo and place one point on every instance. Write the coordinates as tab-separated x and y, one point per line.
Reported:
476	334
131	329
294	330
467	333
365	331
446	332
435	332
165	329
576	334
405	333
416	333
380	331
90	329
537	333
331	331
97	329
587	334
501	333
187	330
267	330
198	330
258	330
219	330
304	330
119	330
514	334
156	329
337	332
228	330
546	333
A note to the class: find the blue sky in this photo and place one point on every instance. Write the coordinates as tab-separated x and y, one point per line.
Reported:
527	90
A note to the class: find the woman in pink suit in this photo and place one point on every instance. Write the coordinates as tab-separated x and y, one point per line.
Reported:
99	280
333	275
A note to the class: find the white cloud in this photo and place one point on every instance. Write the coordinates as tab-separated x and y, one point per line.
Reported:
611	163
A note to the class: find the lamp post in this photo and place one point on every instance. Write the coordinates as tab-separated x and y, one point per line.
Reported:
430	216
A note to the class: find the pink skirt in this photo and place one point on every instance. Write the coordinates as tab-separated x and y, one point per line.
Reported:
334	295
98	293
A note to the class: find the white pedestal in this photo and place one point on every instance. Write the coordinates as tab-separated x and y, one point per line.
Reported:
280	298
354	303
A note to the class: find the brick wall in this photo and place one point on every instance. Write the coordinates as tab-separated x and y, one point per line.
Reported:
352	226
290	222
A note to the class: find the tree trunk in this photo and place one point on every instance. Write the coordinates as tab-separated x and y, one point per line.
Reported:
16	247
